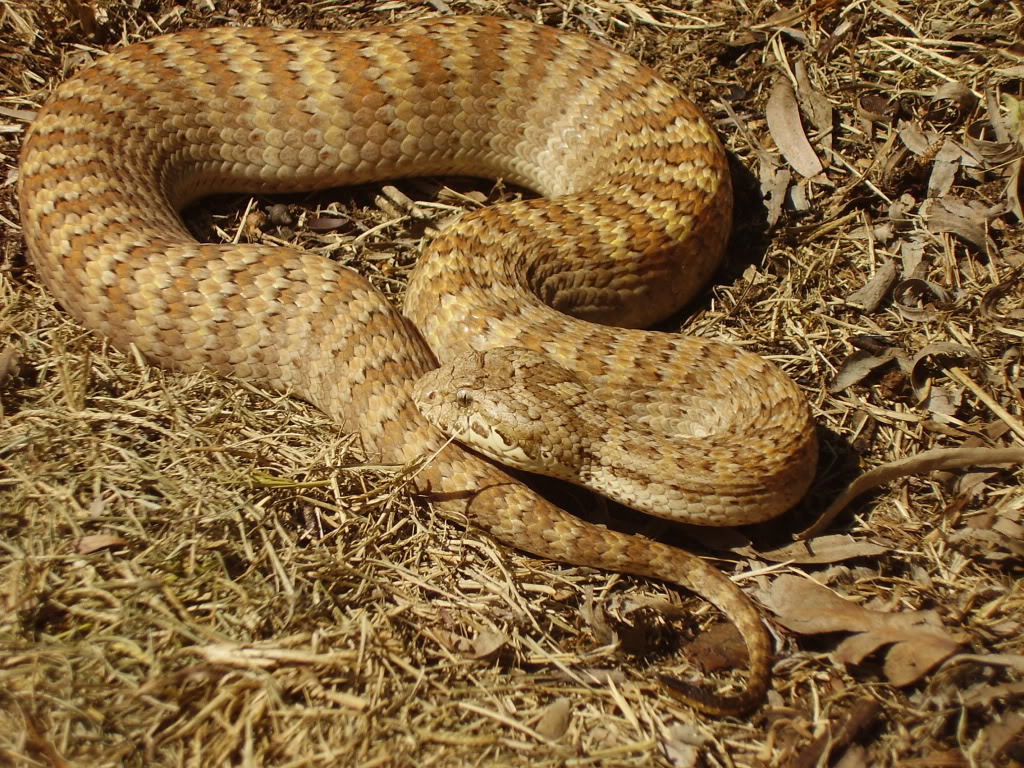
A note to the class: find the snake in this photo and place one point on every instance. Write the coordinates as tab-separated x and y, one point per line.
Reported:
625	216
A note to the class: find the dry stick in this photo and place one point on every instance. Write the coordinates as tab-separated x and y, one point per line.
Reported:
863	715
929	461
960	376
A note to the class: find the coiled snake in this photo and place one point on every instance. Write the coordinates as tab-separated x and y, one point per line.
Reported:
634	214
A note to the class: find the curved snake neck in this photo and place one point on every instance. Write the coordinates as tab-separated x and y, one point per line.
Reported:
634	218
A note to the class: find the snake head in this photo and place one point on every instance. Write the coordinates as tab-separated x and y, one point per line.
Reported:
512	405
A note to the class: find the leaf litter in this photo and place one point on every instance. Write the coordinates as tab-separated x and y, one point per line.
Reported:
918	639
195	572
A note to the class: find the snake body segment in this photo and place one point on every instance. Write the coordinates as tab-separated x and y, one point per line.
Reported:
632	219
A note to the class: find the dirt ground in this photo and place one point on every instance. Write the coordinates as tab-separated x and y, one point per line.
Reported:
194	572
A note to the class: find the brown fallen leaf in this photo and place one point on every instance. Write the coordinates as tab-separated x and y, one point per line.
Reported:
593	613
816	105
992	137
1010	660
1014	177
860	365
985	695
912	255
97	541
965	220
823	549
784	123
1001	737
918	639
943	350
325	223
683	744
958	93
488	644
774	186
555	721
1007	288
863	716
875	107
945	165
922	143
871	295
927	296
720	647
9	358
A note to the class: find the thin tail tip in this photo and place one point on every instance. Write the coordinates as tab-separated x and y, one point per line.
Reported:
710	703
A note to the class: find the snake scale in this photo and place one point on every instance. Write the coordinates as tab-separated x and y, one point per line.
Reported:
633	214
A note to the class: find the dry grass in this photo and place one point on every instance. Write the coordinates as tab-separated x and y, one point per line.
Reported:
196	573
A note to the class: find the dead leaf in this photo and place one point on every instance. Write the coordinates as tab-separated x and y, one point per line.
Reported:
720	647
683	744
912	257
909	660
1011	660
994	295
850	22
593	613
876	107
958	93
555	721
871	295
942	402
489	644
1000	736
641	14
799	196
824	549
1013	190
943	351
9	357
921	143
326	223
918	639
945	165
990	544
962	219
97	541
985	695
1009	529
774	186
815	105
786	129
980	139
859	366
916	288
862	717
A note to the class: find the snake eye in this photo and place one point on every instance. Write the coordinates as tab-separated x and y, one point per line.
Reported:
463	398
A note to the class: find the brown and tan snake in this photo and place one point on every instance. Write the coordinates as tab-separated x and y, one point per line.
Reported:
633	216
